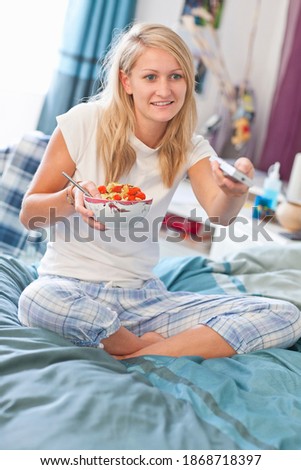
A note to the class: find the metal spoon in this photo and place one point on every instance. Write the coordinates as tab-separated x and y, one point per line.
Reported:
76	184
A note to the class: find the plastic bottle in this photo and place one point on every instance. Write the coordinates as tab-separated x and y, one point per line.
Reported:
272	186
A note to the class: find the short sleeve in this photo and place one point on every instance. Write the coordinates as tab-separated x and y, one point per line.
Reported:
201	148
79	126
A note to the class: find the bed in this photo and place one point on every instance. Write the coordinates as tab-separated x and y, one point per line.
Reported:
54	395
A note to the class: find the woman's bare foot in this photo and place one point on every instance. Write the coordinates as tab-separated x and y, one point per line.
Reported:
199	341
152	337
148	339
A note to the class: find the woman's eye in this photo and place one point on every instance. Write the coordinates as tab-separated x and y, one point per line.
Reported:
150	77
176	76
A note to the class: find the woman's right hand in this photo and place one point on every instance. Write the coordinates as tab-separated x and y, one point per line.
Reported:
79	204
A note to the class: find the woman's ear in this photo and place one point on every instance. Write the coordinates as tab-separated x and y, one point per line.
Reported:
125	81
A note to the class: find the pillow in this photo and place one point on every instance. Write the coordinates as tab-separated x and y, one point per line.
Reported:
19	165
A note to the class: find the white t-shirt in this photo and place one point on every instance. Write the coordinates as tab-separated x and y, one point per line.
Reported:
76	250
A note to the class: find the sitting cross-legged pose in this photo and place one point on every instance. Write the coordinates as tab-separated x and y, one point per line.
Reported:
96	286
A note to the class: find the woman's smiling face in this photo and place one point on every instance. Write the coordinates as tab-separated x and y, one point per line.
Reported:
158	87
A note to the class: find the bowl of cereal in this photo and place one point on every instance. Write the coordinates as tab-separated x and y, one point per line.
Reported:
118	203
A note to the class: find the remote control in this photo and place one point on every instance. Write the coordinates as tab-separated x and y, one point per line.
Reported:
232	172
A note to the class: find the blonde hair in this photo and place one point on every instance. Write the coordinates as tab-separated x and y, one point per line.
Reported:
117	120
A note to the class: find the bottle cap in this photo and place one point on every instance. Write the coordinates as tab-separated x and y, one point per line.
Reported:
274	171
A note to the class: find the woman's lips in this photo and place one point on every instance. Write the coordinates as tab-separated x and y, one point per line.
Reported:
160	104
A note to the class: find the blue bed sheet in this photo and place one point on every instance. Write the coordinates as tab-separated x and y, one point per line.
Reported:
54	395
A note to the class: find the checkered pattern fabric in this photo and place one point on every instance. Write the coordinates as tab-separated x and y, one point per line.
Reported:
86	312
5	157
17	167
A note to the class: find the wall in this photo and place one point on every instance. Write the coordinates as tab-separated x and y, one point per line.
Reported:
234	35
19	115
166	12
267	52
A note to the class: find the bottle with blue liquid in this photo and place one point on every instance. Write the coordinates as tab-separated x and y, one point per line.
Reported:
272	186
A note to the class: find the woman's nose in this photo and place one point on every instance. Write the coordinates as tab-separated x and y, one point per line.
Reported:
163	88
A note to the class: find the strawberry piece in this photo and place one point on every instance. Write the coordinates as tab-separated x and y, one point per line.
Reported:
140	195
134	190
117	197
102	189
117	188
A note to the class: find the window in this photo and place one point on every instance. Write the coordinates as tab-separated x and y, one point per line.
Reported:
29	39
30	36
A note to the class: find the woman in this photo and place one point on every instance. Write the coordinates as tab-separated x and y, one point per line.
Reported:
97	289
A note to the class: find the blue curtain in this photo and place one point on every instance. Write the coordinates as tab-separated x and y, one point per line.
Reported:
88	29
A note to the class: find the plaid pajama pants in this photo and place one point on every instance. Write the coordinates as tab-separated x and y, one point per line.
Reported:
87	312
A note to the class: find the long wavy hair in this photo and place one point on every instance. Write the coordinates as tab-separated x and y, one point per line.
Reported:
117	119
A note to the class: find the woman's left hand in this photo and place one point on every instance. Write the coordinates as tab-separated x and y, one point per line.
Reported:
228	185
